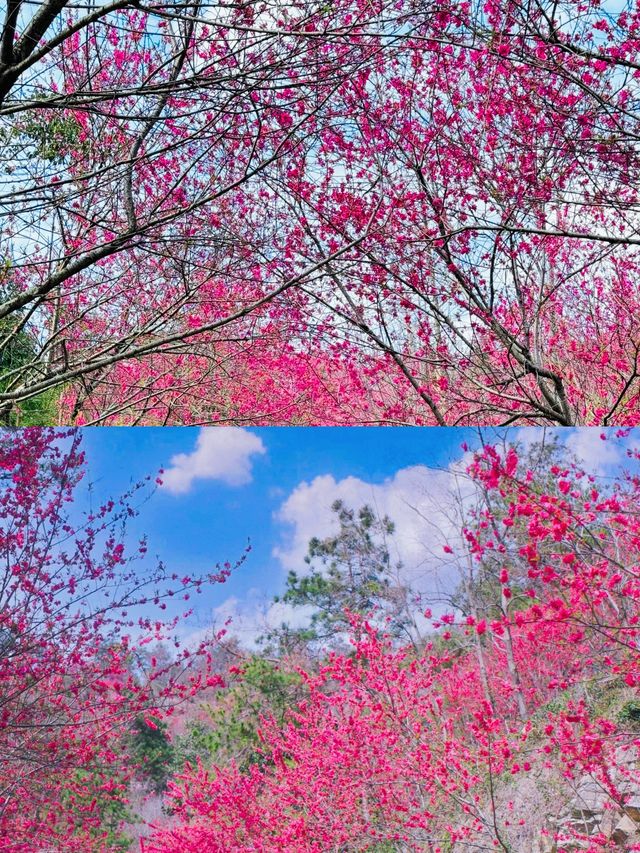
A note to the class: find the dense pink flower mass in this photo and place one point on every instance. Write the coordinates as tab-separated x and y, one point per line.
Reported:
428	749
320	212
512	722
78	611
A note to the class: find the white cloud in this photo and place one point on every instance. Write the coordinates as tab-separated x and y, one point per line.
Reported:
592	452
527	437
283	613
419	500
248	619
221	453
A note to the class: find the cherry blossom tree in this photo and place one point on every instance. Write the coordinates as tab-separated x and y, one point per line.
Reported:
333	212
398	748
135	140
77	613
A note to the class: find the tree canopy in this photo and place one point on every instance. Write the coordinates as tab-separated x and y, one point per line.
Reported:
320	212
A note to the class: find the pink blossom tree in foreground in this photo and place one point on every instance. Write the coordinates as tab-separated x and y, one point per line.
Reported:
78	612
531	688
336	212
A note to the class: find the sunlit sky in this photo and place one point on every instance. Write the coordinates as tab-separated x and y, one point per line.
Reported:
273	487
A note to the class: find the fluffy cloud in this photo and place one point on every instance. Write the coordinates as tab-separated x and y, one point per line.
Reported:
247	620
593	454
422	502
220	454
591	451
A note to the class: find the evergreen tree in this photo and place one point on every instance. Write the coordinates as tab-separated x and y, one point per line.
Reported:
350	573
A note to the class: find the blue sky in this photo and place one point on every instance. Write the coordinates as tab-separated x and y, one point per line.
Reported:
274	487
213	520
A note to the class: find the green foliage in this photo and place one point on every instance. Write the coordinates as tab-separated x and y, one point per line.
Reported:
557	705
18	360
629	714
152	752
108	809
49	137
356	576
197	743
265	690
17	346
55	138
41	410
